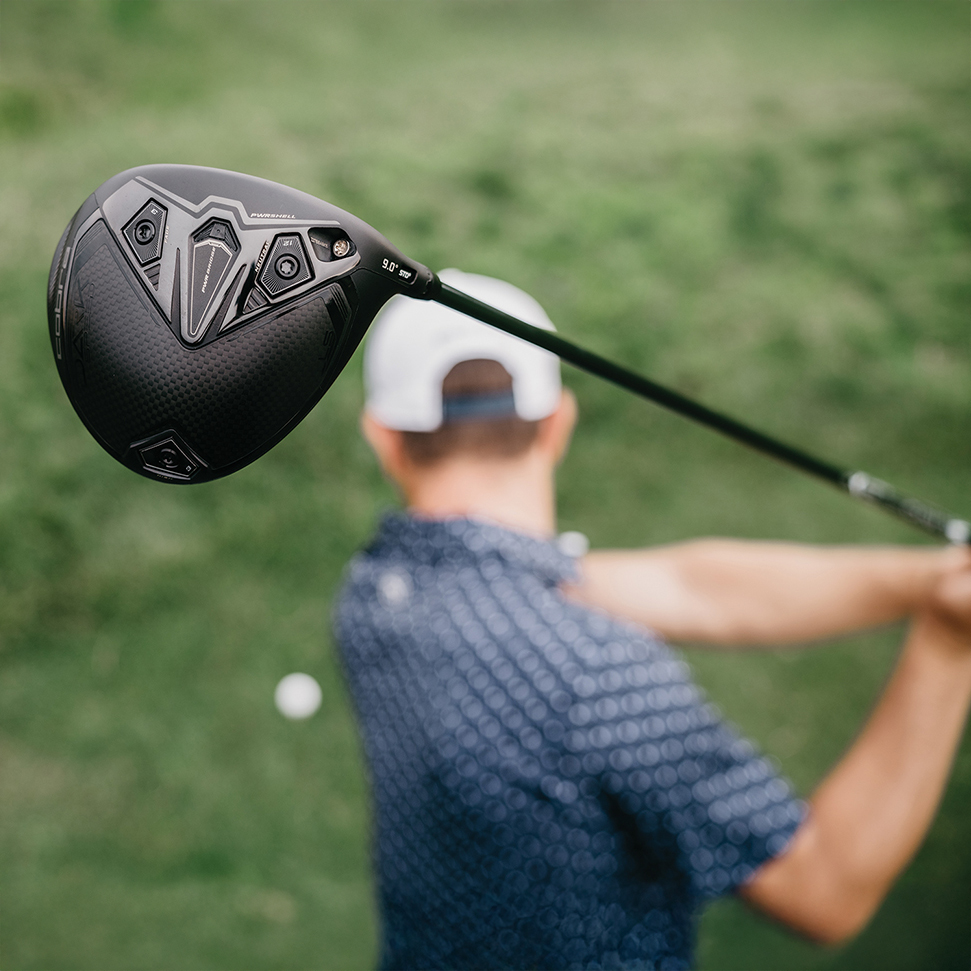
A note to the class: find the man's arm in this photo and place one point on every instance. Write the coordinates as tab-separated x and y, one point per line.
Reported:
871	812
734	592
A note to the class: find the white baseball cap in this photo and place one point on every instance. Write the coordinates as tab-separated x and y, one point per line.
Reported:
413	344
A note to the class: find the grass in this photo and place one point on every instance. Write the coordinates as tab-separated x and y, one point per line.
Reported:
764	204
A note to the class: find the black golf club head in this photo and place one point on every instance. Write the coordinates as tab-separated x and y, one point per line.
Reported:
197	315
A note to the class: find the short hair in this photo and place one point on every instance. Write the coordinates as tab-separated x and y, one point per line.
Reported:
502	437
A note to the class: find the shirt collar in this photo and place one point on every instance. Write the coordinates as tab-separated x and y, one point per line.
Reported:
459	538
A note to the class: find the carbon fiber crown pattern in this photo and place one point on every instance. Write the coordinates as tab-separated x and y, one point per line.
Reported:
186	367
133	378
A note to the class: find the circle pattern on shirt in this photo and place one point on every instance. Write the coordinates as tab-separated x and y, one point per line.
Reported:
551	789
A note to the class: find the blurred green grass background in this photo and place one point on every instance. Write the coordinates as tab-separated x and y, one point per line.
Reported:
764	204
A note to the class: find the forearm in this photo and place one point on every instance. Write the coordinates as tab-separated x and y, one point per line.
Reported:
871	813
728	592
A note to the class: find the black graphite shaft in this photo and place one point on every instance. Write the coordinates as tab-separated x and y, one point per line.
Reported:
859	484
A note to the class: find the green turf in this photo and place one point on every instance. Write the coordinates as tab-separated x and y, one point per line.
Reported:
765	204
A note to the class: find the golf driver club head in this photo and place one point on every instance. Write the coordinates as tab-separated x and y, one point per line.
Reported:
197	315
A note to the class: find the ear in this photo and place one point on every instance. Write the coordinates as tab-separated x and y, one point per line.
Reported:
556	430
388	446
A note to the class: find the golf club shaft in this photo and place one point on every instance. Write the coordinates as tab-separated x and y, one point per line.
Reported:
934	521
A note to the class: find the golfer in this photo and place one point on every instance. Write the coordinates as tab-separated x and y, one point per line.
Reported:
550	788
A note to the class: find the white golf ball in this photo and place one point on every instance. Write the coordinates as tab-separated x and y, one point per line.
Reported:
297	696
573	544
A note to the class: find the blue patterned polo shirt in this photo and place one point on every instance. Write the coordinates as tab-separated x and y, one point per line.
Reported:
550	788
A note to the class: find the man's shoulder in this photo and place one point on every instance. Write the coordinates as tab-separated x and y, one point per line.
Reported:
489	591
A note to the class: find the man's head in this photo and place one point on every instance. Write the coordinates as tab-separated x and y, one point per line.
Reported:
451	399
479	418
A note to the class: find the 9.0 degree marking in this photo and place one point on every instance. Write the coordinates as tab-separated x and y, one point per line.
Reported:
403	273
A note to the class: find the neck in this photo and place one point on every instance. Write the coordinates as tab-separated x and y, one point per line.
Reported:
515	493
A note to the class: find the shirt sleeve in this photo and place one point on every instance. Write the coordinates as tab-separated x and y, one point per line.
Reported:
691	786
